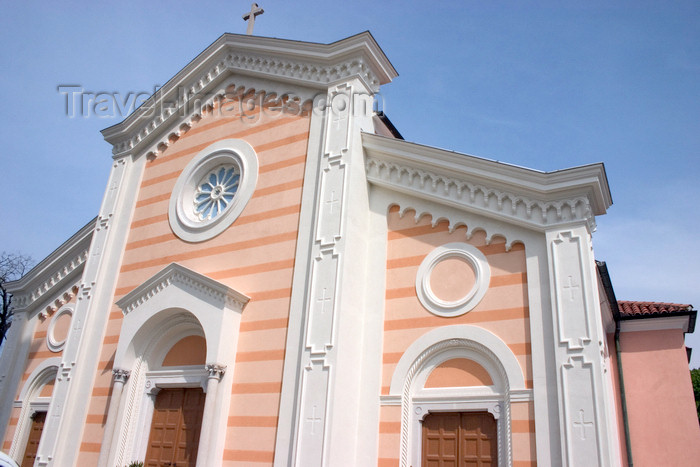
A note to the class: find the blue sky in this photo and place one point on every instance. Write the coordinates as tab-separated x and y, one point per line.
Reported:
546	85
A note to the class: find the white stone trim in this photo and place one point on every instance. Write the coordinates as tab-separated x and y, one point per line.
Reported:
482	276
52	343
181	213
465	332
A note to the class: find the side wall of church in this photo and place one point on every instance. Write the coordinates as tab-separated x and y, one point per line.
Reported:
255	256
663	431
503	311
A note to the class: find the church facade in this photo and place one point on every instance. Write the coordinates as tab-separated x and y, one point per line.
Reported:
276	277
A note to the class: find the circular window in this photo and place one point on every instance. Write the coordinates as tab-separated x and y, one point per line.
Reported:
213	189
215	192
452	279
58	329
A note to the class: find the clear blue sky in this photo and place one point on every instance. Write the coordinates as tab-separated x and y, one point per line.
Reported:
548	85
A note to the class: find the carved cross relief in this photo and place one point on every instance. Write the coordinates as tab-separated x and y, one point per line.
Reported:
324	299
571	287
331	201
313	419
582	424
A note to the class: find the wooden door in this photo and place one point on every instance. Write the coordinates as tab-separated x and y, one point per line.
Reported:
460	439
35	431
177	421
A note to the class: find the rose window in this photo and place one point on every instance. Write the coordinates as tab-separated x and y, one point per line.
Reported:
212	190
215	192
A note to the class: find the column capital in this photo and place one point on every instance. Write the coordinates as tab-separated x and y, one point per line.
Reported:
215	371
120	376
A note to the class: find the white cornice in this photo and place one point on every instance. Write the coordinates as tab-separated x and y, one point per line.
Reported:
55	272
534	199
175	275
313	65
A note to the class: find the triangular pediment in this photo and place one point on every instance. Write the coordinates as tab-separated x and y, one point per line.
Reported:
527	197
302	64
175	276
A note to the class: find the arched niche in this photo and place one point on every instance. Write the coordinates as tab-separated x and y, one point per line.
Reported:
487	352
174	305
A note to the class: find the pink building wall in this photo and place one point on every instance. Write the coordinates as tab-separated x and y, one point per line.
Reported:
664	429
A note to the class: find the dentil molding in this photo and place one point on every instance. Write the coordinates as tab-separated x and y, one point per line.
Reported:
176	275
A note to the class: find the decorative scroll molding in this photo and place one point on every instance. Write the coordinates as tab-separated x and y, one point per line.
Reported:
493	202
176	275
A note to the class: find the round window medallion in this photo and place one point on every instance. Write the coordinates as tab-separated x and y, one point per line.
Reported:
213	189
452	279
59	327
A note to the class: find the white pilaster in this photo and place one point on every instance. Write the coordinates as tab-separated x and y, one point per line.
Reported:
584	402
322	413
66	416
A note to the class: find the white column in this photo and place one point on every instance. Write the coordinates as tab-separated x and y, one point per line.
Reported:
120	377
214	374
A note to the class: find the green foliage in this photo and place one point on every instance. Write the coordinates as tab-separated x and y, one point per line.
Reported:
695	376
135	464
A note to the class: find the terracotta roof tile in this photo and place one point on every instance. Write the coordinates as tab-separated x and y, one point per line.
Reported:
630	308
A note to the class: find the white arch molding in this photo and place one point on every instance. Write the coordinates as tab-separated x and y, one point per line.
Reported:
175	303
30	402
440	345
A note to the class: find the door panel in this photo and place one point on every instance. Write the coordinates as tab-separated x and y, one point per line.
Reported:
177	421
34	436
460	439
